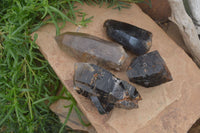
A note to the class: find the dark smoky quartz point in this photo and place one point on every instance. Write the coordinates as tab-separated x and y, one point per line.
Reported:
132	38
88	48
104	89
149	70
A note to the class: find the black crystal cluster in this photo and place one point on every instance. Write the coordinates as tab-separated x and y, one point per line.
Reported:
104	89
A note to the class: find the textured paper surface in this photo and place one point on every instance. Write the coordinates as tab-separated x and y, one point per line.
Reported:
170	107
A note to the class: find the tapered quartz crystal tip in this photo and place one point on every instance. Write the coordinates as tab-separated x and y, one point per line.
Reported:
88	48
149	70
132	38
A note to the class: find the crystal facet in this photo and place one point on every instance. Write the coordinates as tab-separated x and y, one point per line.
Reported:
104	89
149	70
88	48
132	38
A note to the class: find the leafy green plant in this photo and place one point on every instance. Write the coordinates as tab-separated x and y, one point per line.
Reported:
25	76
28	85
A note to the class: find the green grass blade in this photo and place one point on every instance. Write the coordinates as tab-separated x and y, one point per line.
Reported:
21	27
7	115
67	118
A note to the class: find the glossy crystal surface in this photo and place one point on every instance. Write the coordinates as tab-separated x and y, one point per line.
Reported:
149	70
104	89
88	48
132	38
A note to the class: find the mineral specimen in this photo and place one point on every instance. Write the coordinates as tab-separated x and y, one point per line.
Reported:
149	70
88	48
132	38
104	89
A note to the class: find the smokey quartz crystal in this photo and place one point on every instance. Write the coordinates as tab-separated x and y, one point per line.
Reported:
132	38
88	48
104	89
149	70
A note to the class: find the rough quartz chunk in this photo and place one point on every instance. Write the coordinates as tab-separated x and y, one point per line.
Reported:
88	48
104	89
132	38
149	70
